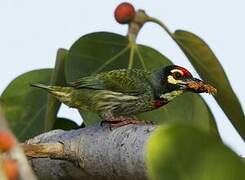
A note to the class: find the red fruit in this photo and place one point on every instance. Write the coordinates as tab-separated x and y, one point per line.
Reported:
10	168
7	141
124	13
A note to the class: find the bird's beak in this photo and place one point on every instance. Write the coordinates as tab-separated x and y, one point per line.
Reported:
198	86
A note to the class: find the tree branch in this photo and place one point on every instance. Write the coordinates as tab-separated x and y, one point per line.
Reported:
90	152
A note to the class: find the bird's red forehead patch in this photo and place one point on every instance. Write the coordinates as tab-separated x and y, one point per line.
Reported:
185	72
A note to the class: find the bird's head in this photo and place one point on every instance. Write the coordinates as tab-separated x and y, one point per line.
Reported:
175	80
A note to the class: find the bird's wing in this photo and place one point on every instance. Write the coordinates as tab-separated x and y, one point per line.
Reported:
125	81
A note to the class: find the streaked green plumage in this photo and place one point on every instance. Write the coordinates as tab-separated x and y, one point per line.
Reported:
122	92
124	81
118	92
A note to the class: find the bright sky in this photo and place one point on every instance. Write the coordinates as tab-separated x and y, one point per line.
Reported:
31	32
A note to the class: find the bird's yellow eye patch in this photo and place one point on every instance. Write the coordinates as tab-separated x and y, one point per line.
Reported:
176	73
172	80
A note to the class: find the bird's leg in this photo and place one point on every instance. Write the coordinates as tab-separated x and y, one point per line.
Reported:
119	121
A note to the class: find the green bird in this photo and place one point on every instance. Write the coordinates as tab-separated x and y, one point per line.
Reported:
118	94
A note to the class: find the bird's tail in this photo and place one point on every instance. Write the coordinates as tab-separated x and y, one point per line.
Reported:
42	86
63	94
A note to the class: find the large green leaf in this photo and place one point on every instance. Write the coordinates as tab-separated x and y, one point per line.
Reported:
103	51
23	106
181	152
210	70
57	78
188	108
96	52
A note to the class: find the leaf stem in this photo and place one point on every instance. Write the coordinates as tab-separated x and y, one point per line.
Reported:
141	58
131	55
157	21
110	60
133	30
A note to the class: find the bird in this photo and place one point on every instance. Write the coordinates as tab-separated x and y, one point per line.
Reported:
119	94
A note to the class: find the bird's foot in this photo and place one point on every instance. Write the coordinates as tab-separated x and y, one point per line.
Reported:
116	122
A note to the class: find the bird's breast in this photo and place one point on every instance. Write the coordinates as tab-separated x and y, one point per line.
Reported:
171	95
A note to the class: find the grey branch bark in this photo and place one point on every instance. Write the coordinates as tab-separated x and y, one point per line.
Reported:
91	152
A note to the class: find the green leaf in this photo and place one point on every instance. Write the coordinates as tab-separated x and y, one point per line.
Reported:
65	124
210	70
188	108
96	52
23	106
182	152
103	51
57	78
89	118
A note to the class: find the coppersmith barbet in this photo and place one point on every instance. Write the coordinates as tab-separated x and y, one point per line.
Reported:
118	94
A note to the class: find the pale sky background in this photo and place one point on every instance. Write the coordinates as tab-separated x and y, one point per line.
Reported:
31	31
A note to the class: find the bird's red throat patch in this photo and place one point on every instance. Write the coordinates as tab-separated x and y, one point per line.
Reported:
159	103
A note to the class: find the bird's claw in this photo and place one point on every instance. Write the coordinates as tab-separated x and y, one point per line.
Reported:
122	121
149	122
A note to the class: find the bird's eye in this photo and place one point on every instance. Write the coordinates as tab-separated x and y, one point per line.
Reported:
177	75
